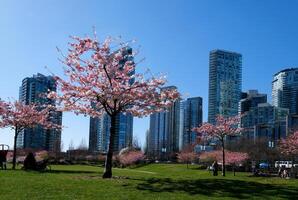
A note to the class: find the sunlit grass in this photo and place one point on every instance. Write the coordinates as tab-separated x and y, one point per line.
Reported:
157	181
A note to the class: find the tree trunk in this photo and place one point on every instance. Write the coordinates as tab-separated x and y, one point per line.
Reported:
14	159
109	158
234	170
223	159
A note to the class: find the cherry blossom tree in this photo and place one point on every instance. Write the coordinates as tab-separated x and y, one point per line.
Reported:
131	157
18	116
289	146
224	126
104	73
235	158
187	155
231	158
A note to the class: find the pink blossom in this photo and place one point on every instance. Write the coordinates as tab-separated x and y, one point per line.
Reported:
224	126
187	157
103	80
231	158
18	116
131	157
289	146
101	73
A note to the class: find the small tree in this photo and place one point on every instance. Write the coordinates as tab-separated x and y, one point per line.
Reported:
187	155
235	158
223	127
107	77
19	116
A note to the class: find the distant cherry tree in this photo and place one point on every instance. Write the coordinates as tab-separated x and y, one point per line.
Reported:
18	116
131	157
231	158
235	159
187	155
104	74
223	127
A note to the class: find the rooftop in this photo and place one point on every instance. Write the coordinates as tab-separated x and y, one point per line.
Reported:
286	70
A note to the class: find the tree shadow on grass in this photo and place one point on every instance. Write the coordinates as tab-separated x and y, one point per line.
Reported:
220	188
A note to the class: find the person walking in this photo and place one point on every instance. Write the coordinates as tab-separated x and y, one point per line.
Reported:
3	159
215	168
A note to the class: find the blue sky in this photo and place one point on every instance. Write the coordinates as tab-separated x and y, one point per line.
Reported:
175	37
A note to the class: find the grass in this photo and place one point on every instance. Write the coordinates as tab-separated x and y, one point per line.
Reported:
156	181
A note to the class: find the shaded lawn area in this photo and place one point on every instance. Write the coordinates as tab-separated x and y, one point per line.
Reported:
156	181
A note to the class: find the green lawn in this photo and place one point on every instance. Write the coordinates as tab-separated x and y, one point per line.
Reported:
157	181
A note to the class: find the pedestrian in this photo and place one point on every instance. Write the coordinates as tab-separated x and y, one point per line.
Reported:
279	172
215	168
3	160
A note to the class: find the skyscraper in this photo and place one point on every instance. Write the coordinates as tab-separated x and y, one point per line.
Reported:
192	117
32	91
99	133
225	81
163	139
99	130
285	93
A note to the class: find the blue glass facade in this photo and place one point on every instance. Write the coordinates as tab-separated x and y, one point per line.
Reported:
265	121
225	81
31	92
285	93
163	138
192	117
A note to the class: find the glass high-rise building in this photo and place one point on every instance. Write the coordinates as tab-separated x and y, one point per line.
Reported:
285	93
99	129
265	121
225	82
99	134
251	99
33	90
192	117
164	132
